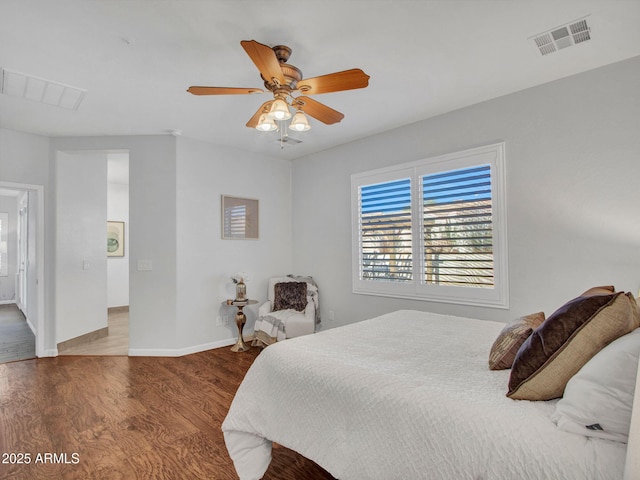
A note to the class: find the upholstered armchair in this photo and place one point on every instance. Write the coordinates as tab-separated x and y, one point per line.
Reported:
291	310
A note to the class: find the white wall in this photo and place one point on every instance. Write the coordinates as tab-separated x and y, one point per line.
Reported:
174	219
25	159
118	267
9	205
156	326
205	261
81	259
152	234
572	150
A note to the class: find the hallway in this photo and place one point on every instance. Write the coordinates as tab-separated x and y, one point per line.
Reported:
17	341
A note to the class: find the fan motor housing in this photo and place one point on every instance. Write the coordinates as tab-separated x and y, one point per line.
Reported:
282	53
291	73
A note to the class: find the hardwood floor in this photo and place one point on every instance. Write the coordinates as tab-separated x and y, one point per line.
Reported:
17	341
116	343
114	417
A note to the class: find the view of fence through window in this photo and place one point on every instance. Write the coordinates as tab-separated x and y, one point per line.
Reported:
456	222
458	241
386	231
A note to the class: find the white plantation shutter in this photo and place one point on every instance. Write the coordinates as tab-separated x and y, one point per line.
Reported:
385	226
433	229
457	227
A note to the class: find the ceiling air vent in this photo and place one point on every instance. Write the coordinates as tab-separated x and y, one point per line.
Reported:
18	84
565	36
287	139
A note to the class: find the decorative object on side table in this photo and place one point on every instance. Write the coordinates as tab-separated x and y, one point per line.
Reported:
241	287
241	291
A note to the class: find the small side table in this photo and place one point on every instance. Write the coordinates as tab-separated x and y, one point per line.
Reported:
241	319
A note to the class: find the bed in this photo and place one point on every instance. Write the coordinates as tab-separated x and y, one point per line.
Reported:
404	395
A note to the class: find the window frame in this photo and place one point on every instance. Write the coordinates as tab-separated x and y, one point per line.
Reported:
496	297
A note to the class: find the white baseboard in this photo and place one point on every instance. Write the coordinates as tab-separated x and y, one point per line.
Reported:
49	353
7	302
179	352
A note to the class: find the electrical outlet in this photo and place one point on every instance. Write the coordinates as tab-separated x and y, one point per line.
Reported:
225	319
219	321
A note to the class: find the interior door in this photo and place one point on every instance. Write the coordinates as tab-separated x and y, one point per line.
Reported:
23	258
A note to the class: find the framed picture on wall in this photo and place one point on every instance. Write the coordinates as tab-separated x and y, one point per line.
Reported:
115	239
240	218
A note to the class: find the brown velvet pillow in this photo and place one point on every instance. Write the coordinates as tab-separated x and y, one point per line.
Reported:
512	336
290	295
567	340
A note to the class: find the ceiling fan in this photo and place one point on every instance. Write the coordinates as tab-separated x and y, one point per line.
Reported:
284	80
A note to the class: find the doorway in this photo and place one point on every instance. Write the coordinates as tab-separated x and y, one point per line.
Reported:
118	260
114	339
24	284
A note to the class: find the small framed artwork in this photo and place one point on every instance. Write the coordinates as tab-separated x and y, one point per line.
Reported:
240	218
115	239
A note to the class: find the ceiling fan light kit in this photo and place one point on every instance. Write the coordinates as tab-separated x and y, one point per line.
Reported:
299	122
266	124
279	110
283	80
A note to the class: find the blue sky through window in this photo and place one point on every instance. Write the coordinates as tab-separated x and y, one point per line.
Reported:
456	185
386	197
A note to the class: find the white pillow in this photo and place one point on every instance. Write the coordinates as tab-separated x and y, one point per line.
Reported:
597	400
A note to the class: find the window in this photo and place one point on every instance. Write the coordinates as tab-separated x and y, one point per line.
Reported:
385	231
433	229
4	228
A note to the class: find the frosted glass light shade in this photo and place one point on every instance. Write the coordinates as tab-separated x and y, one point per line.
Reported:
299	123
266	124
279	110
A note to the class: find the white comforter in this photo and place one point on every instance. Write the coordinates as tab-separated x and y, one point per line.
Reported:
407	395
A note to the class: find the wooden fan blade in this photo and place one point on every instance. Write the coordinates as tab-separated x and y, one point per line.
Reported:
263	109
334	82
265	59
318	110
222	91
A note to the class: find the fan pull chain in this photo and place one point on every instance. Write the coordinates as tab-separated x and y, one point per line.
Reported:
281	135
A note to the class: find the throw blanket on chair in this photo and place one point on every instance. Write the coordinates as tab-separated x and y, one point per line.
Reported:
272	328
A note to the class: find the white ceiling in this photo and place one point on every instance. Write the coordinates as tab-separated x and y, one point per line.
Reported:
136	58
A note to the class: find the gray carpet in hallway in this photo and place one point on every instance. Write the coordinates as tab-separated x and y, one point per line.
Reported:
17	341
